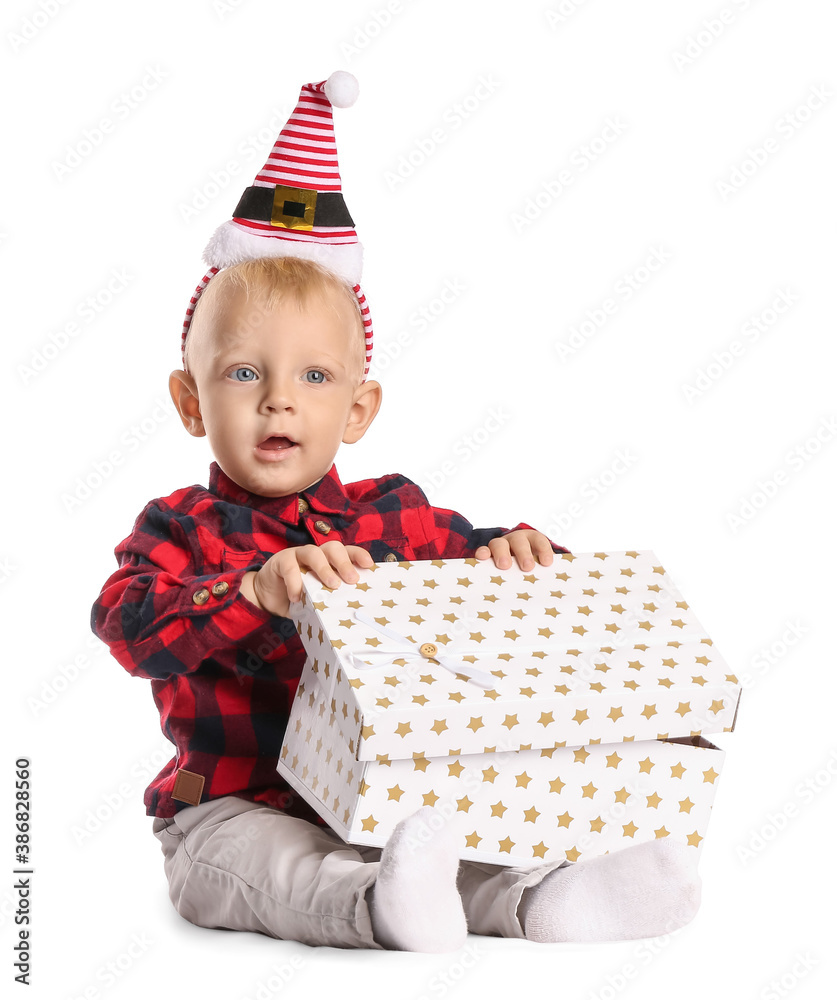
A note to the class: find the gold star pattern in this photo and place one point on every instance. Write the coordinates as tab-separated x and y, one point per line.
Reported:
587	699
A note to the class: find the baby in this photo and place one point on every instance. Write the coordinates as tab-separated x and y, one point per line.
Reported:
274	374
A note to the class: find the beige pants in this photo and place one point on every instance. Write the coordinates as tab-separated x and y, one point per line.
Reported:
243	866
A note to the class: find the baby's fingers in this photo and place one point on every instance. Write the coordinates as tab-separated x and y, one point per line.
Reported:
343	559
360	557
331	562
291	574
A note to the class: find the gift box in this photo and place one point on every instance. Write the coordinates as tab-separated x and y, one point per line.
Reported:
549	714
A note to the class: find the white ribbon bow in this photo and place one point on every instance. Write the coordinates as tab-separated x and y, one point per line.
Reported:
452	662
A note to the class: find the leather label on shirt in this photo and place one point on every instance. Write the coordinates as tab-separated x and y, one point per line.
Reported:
188	787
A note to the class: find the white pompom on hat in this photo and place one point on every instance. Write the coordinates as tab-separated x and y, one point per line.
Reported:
295	207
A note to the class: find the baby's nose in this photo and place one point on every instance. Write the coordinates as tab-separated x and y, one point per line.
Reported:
278	395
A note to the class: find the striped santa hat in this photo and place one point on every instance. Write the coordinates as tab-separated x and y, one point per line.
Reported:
295	206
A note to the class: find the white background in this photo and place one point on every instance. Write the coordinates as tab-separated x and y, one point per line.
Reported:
102	232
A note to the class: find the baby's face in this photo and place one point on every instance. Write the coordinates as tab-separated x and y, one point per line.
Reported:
278	390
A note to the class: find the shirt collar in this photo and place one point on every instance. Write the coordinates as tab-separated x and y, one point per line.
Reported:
327	496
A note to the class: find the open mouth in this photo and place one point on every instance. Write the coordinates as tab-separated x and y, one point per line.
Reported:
276	443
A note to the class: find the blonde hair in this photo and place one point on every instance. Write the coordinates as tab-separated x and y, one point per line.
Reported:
271	280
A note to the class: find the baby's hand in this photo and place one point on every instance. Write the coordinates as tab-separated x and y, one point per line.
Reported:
279	581
525	543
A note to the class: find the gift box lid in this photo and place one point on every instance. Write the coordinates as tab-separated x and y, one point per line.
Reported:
454	656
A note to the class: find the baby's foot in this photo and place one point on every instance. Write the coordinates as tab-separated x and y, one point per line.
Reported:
645	890
414	903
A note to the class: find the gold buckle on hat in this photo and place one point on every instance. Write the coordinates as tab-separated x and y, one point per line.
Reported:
293	208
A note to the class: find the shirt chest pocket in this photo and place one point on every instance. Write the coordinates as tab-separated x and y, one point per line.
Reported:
396	549
243	559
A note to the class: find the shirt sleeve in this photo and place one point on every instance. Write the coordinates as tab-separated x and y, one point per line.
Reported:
159	618
452	536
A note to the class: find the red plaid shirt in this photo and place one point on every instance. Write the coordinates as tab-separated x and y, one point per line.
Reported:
223	672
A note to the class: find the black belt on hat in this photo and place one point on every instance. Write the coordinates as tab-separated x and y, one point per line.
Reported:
293	208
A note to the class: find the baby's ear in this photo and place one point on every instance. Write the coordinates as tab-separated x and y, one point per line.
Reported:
184	394
364	408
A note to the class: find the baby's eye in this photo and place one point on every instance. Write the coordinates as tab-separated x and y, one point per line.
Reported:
243	374
317	377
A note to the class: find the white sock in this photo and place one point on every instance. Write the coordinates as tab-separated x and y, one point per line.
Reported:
645	890
414	904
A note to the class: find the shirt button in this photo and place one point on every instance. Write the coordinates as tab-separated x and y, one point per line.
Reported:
220	588
322	526
200	596
428	649
302	504
390	557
